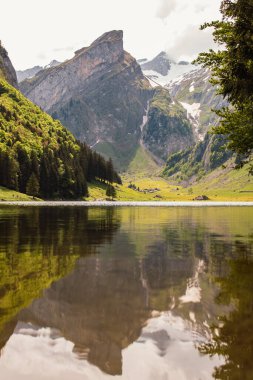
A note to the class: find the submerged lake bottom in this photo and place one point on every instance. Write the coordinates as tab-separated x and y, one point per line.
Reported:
123	292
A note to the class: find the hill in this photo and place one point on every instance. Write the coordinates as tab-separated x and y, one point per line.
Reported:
38	156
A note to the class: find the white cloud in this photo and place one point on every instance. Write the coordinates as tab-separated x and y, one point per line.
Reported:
191	42
54	27
165	8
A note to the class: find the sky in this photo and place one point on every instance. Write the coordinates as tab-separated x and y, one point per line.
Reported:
35	32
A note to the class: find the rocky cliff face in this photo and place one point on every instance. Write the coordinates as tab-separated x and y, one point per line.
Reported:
103	97
100	95
167	129
7	71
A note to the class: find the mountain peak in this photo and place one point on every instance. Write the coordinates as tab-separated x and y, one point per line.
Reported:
112	36
162	54
160	63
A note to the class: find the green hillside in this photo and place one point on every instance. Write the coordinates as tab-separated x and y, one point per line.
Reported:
193	163
38	156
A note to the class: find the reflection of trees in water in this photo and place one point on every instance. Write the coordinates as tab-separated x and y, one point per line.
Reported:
56	230
233	336
109	295
39	246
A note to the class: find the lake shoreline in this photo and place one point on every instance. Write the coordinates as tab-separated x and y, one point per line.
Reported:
127	204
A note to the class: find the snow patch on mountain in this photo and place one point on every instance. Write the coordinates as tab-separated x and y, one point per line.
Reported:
175	73
193	114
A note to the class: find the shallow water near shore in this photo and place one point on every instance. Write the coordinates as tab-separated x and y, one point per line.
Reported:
127	204
126	292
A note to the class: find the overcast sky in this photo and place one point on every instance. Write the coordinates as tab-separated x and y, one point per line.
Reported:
37	31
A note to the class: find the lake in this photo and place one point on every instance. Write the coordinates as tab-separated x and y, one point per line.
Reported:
137	293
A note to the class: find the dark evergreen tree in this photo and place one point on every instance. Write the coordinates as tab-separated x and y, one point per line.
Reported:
111	191
232	71
109	171
33	186
25	168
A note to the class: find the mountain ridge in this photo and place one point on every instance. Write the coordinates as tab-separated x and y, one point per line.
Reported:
100	95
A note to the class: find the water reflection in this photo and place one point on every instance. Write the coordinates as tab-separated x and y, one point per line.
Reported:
131	293
233	337
39	246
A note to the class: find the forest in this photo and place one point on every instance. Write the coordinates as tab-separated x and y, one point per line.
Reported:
39	157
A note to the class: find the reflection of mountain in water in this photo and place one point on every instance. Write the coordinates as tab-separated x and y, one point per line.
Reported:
104	303
136	268
101	306
39	246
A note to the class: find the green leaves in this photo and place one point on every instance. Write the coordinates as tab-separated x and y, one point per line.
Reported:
232	71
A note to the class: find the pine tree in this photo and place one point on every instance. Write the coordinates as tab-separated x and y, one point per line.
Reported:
111	191
109	171
232	71
25	168
33	186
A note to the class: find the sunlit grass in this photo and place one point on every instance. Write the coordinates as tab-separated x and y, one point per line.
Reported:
11	195
220	185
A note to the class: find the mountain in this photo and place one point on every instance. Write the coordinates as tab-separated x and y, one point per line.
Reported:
30	73
198	96
100	95
192	164
167	129
7	71
161	69
38	156
53	63
161	64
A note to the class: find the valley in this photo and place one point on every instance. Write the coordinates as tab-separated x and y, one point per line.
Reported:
126	190
152	118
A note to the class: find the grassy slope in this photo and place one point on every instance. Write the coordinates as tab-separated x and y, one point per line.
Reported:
142	164
170	192
11	195
227	184
220	185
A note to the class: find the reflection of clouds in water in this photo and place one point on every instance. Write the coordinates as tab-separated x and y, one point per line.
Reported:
42	353
165	350
193	289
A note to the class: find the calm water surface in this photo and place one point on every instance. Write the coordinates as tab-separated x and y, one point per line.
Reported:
126	293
